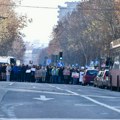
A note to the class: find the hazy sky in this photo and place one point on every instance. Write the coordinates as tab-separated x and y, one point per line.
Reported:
43	19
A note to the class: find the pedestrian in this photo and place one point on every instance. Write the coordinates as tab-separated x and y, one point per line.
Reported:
75	75
23	70
15	70
12	73
43	74
38	74
81	76
19	73
60	75
28	74
54	73
0	72
3	72
8	71
33	69
48	74
66	73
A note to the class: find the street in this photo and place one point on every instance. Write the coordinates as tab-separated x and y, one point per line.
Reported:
57	101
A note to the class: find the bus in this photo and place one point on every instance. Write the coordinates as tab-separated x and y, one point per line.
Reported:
7	60
115	69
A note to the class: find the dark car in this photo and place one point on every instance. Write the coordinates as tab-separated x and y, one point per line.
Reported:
89	75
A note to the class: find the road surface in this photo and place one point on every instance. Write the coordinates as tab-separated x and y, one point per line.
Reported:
35	101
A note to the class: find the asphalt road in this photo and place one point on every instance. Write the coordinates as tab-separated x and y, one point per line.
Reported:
35	101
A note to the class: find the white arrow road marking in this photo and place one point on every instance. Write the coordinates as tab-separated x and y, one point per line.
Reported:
11	83
43	98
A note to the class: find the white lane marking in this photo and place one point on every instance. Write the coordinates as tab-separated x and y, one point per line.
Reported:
58	88
11	83
100	96
35	91
118	107
95	101
85	105
72	92
51	119
43	98
101	104
52	85
104	113
9	110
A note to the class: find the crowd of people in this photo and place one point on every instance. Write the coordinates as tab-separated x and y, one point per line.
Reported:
39	74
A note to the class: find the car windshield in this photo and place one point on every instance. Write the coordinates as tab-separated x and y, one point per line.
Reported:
92	72
100	74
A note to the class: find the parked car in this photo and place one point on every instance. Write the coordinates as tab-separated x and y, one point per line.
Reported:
97	78
89	75
102	79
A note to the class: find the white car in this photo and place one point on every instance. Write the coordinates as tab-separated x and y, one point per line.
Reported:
102	79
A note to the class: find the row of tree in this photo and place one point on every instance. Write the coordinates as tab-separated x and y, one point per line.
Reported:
11	39
86	33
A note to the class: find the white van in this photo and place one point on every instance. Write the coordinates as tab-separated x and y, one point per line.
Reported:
7	60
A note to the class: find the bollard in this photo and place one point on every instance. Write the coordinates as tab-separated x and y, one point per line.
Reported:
118	83
111	82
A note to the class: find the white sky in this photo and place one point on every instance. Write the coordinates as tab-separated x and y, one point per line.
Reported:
43	19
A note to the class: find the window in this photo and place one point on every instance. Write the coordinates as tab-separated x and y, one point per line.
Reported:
116	64
92	72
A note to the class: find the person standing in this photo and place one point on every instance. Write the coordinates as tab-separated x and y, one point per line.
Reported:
75	75
28	74
23	70
81	76
43	74
47	74
8	71
38	74
66	73
3	72
60	75
54	74
33	69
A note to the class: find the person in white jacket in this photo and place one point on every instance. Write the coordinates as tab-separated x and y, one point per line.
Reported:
8	71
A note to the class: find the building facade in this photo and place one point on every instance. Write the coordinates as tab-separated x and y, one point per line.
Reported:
63	11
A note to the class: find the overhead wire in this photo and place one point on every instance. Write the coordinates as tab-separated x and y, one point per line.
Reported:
40	7
27	6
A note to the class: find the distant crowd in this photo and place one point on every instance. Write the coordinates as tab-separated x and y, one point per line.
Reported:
39	74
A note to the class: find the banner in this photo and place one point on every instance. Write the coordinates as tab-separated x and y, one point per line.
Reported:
75	75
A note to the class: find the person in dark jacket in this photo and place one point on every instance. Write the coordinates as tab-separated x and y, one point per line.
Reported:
23	70
15	72
48	74
3	72
60	75
28	74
